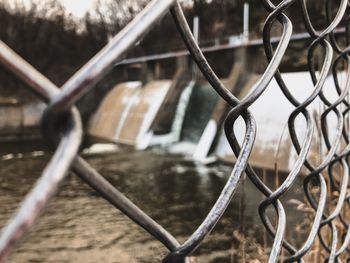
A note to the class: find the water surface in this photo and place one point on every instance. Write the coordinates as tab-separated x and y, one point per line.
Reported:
79	226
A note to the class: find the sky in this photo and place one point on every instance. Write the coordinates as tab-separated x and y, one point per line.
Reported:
78	7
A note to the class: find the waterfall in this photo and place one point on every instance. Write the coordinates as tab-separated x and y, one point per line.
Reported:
176	128
199	111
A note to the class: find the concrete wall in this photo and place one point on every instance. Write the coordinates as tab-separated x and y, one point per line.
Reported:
20	120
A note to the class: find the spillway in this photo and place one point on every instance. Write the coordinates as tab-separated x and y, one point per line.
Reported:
179	111
127	112
271	112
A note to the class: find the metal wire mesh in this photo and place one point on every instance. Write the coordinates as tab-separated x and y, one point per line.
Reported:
63	130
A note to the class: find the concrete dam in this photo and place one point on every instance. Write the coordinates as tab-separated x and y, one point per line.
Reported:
184	115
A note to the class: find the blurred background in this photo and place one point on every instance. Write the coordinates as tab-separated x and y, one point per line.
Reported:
153	127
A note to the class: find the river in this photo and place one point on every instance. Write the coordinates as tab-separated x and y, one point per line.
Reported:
79	226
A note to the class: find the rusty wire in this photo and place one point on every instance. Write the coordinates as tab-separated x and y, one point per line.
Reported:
63	130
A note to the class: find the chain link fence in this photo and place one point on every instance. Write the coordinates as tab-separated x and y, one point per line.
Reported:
325	188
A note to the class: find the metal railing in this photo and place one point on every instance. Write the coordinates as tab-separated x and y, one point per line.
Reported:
63	130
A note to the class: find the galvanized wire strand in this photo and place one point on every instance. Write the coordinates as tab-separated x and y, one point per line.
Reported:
227	193
47	90
257	90
45	187
316	171
251	97
93	71
343	157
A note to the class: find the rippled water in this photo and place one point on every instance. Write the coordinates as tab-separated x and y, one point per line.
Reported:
79	226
